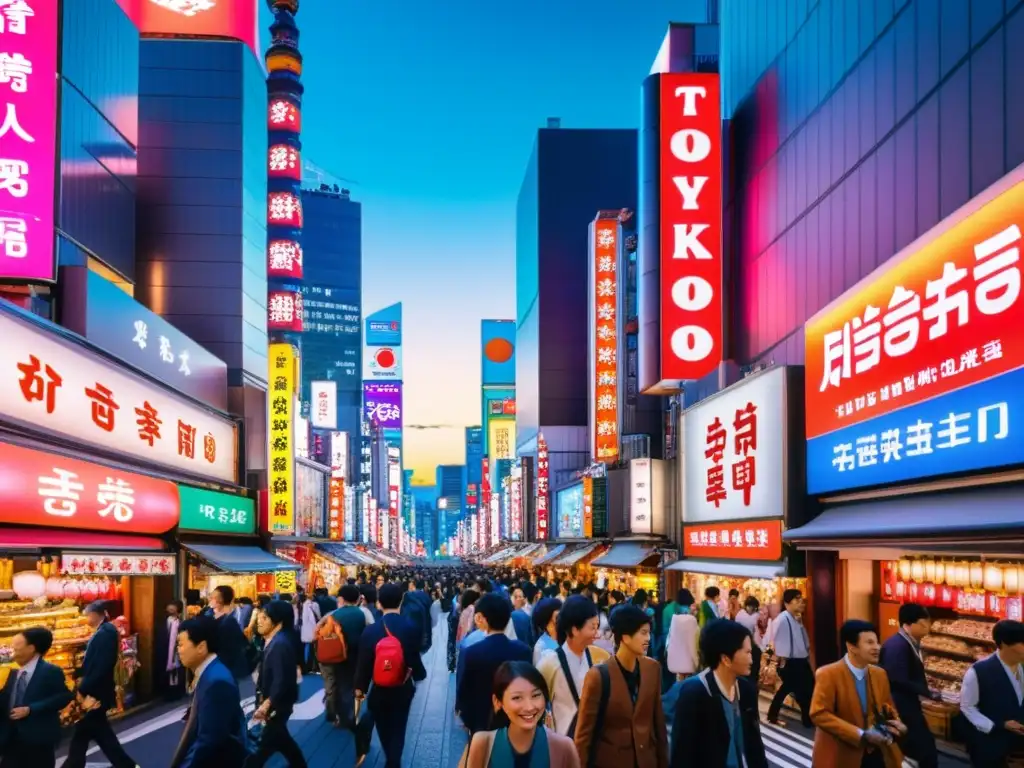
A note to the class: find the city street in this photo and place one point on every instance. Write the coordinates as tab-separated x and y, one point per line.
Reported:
435	740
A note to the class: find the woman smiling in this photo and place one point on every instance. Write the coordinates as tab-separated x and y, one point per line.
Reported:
520	740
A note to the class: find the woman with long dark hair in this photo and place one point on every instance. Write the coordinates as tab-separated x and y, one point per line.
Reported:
519	738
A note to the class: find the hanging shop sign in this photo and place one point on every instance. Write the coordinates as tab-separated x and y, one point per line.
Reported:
324	404
690	216
759	540
285	582
640	506
604	342
106	564
203	510
281	475
543	488
123	327
735	457
339	455
28	135
39	488
917	371
284	311
336	509
52	384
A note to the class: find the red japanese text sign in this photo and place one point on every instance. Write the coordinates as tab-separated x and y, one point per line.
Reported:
284	311
735	451
38	488
28	138
52	384
113	564
231	19
760	540
483	531
284	259
690	152
943	314
543	488
605	341
336	509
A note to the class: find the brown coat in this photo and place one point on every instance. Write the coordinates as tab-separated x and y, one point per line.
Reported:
836	711
628	733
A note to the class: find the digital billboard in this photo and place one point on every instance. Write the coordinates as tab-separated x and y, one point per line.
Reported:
382	345
384	328
498	352
501	439
569	503
382	404
497	402
916	371
231	19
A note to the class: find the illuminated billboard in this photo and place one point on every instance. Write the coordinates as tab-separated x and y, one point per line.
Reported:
384	328
497	402
281	475
382	345
604	340
216	19
382	404
501	439
498	352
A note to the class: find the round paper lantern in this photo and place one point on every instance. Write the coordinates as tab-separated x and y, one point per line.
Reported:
905	569
929	570
54	588
917	570
29	585
1010	581
72	589
993	578
940	572
962	574
977	574
90	591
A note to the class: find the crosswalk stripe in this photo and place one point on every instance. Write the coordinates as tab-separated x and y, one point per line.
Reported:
791	735
774	750
803	750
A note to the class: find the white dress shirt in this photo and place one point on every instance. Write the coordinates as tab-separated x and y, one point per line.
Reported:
563	707
749	620
970	695
790	638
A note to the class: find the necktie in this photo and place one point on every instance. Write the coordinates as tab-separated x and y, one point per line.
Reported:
20	686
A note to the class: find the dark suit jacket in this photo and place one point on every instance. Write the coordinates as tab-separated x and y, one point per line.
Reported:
408	635
278	681
479	663
96	677
215	734
629	734
700	732
523	627
232	645
45	697
906	678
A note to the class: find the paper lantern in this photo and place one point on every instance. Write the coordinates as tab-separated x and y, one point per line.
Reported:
977	574
29	585
929	570
1010	581
917	570
993	578
55	588
905	569
963	575
940	572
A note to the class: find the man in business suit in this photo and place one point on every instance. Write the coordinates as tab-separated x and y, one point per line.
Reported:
521	617
97	693
902	661
232	643
853	707
389	707
477	664
214	735
31	702
633	718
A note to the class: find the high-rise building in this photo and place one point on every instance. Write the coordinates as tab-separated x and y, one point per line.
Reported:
331	288
426	517
570	174
449	479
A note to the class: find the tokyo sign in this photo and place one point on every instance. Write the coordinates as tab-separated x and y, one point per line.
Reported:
916	372
690	225
28	139
38	488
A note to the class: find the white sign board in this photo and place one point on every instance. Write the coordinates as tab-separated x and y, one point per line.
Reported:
339	455
735	452
323	407
640	506
52	384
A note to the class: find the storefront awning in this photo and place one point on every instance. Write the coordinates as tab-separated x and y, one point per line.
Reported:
552	554
49	538
498	556
232	559
339	553
569	559
625	554
530	551
748	570
983	513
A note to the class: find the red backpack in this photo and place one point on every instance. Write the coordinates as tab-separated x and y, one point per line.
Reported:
389	669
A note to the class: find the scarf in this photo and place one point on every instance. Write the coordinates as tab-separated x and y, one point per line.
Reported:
502	755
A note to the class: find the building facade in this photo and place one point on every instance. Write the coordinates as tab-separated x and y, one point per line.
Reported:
570	174
449	481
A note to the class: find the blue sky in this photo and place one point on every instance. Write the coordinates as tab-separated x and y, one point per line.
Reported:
430	108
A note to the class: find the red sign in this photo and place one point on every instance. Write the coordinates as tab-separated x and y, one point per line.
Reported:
484	527
38	488
283	162
543	480
760	540
508	406
231	19
336	509
282	115
605	422
284	209
99	563
284	311
691	225
284	259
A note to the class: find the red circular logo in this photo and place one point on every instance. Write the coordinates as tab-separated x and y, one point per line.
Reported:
385	358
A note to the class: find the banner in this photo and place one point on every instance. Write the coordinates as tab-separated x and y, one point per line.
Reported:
281	470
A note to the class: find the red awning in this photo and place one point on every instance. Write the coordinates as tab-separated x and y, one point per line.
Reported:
56	538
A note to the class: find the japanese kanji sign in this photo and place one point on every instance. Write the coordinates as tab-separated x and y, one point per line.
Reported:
281	417
761	540
735	451
28	138
39	488
66	389
543	488
203	510
231	19
113	564
917	373
604	340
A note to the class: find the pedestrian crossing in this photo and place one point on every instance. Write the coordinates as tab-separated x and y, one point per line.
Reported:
786	749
